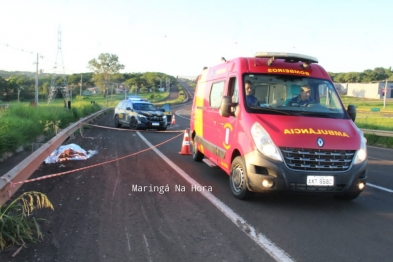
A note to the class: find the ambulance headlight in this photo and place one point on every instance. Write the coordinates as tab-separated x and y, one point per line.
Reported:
264	143
361	154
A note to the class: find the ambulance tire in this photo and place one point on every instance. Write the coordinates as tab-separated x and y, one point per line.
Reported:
347	197
238	179
196	154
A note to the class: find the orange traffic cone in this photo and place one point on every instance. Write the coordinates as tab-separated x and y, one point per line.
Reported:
185	148
173	120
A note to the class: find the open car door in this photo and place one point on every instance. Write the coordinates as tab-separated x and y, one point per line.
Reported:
166	108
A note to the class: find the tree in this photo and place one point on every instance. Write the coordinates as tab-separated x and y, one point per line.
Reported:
352	77
138	82
339	78
104	68
368	76
381	73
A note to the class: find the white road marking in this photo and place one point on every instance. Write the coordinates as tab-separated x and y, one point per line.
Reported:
128	240
260	239
181	112
147	247
379	187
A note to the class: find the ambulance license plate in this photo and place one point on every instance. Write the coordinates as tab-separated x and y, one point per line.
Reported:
155	124
320	180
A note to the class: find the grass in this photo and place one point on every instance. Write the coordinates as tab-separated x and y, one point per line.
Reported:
365	104
17	226
21	124
374	121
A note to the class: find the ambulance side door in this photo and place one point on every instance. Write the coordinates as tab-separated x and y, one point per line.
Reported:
226	126
212	116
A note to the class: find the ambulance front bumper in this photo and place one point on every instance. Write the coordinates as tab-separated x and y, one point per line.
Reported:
266	175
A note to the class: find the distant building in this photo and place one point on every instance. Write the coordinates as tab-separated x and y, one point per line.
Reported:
91	91
365	90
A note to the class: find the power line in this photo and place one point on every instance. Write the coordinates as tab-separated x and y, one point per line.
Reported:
41	56
19	49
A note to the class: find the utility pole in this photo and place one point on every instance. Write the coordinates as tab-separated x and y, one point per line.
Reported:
19	89
36	84
80	91
112	89
385	93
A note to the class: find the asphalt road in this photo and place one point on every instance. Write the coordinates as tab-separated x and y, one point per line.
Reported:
107	212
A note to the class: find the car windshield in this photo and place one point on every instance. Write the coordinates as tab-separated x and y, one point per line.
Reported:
145	107
292	95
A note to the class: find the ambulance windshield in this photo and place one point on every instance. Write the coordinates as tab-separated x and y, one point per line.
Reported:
292	95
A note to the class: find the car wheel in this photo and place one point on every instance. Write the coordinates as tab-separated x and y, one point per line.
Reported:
238	179
116	120
196	154
133	124
347	197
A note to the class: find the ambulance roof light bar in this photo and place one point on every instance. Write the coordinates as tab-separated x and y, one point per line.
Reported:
290	57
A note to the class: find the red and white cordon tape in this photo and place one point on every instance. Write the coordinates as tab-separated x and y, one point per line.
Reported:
91	166
129	130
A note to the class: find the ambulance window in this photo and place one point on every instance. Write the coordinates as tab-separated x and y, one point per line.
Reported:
327	96
216	94
233	90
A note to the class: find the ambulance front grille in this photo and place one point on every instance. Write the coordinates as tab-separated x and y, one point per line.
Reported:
317	159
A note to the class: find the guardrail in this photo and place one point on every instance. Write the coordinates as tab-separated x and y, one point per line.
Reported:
377	132
4	106
27	167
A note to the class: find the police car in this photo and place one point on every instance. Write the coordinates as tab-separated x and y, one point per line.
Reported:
139	114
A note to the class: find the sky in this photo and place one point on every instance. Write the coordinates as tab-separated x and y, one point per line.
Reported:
180	37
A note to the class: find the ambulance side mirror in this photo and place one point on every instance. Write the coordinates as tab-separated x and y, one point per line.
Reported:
352	112
226	106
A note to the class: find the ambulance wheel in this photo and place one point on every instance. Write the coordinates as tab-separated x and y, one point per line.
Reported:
196	154
117	123
238	179
347	197
133	124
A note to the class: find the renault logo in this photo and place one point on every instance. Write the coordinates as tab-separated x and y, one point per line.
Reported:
320	142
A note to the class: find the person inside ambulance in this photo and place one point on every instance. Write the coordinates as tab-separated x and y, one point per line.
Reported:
304	98
251	99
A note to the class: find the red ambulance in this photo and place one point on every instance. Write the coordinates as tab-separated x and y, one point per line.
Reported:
274	123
